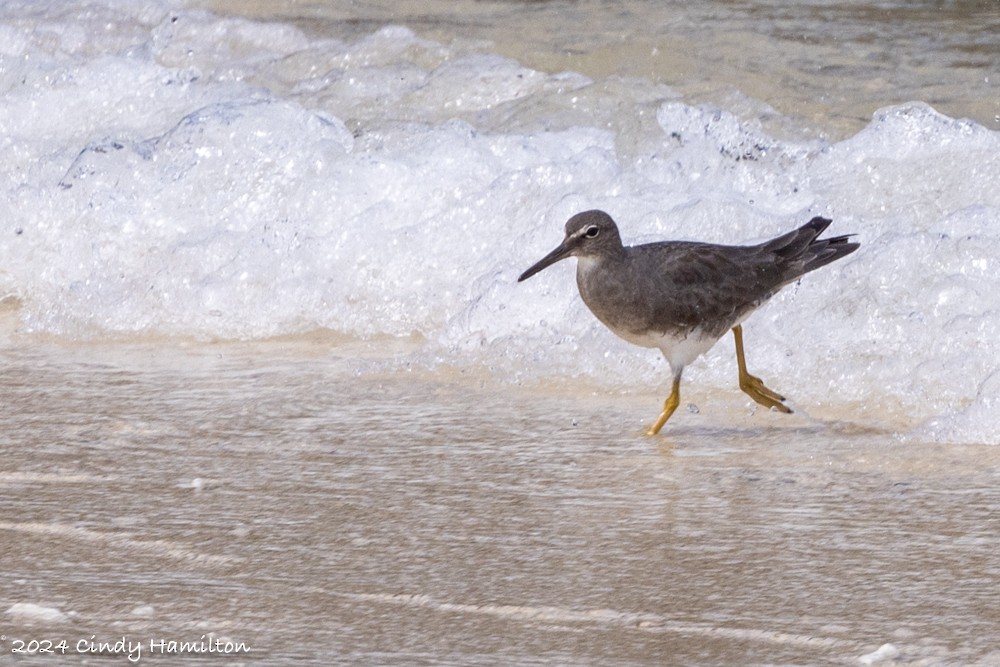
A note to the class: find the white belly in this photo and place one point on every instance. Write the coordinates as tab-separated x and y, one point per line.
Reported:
679	350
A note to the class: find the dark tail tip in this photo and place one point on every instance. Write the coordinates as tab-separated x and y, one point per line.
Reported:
825	251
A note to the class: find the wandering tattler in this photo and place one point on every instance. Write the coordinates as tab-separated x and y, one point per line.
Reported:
682	296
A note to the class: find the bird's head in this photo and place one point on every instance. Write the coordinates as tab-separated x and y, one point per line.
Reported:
588	234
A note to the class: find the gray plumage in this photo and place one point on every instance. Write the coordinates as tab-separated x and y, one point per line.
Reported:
682	296
680	286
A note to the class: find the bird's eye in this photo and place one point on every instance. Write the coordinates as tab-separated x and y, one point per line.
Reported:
592	231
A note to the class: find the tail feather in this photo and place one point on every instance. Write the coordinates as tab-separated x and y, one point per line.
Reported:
824	251
802	251
792	244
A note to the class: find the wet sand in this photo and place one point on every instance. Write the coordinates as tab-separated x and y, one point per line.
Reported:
291	499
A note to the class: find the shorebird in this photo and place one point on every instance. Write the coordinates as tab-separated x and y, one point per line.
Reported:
683	296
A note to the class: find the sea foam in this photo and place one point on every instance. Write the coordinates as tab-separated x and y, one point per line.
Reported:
177	173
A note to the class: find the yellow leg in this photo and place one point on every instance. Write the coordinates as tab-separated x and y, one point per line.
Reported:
753	385
668	407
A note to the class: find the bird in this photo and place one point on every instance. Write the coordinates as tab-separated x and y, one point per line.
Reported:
683	296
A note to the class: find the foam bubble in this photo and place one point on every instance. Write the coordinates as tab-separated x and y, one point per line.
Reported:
29	612
883	653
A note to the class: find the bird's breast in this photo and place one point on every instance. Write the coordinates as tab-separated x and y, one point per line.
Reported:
615	298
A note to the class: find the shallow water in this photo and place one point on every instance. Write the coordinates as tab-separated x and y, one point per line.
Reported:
827	65
276	495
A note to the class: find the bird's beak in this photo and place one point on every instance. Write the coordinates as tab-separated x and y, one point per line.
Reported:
561	252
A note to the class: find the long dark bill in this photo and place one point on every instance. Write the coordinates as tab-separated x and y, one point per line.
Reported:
561	252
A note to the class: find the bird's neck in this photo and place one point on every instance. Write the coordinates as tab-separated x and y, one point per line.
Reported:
588	263
595	266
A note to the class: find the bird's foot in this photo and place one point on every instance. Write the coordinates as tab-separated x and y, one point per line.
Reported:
754	387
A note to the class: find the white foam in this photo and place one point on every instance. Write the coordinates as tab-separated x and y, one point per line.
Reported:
144	611
645	622
178	173
29	612
884	652
75	534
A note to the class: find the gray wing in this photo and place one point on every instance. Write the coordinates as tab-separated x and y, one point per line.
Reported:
706	286
679	286
714	286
